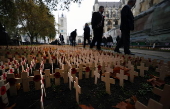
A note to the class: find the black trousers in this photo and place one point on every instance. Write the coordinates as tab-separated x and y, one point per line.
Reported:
73	42
98	33
124	41
88	39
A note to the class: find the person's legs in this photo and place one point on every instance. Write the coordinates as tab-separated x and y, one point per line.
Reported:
119	44
88	39
84	42
94	38
74	42
99	39
126	41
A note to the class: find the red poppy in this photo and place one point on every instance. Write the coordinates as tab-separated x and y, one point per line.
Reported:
37	78
7	53
3	90
73	71
11	81
87	69
23	58
2	67
15	61
11	70
57	75
45	57
53	57
99	67
4	75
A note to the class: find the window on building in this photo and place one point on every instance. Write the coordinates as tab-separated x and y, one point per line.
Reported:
109	23
108	29
116	22
61	22
62	30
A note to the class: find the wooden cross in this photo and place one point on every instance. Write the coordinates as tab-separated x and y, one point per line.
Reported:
132	73
25	81
97	75
87	71
3	90
57	80
13	89
108	81
70	79
78	89
80	70
47	78
165	95
92	68
151	105
129	64
65	68
37	83
142	69
121	77
163	72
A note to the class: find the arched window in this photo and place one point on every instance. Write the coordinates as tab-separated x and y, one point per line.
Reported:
108	29
116	22
109	23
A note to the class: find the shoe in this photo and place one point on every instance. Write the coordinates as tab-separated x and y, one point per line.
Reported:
129	53
117	51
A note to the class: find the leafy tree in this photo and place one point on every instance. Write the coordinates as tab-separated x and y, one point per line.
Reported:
36	19
8	16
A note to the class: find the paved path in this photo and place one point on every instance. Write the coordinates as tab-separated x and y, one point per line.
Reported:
151	54
160	55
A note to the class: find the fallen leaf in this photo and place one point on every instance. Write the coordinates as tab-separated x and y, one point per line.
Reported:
155	81
86	107
130	106
121	105
134	98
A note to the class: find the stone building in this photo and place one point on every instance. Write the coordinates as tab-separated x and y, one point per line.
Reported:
111	13
62	28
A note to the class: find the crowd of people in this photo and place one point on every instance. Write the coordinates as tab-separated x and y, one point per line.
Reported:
97	22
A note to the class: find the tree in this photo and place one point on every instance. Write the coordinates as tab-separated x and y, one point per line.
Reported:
8	16
36	19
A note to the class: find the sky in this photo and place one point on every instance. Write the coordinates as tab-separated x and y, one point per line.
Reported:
78	15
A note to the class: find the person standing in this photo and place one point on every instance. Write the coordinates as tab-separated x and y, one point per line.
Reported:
97	22
127	25
117	39
86	34
73	36
62	39
110	41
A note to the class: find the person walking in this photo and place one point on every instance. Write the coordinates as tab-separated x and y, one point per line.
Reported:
97	22
110	41
104	41
73	36
127	25
86	34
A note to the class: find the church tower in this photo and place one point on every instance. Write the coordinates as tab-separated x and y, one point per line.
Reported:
62	28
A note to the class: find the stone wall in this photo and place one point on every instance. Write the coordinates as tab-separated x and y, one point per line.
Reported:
154	24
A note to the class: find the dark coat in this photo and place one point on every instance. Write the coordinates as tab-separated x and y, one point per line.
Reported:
127	19
73	35
87	31
97	21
